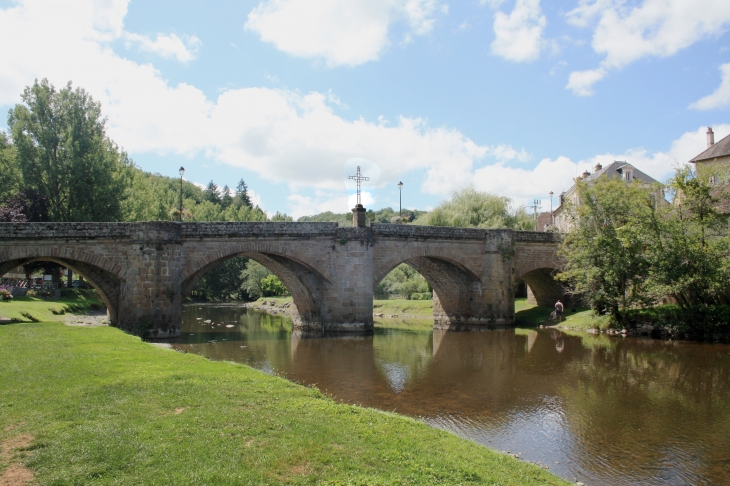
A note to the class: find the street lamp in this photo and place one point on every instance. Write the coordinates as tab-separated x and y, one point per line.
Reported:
552	220
182	171
400	199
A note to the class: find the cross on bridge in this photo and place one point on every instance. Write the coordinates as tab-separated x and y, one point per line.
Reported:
358	178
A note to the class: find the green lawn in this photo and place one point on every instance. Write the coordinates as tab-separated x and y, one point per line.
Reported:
97	406
30	309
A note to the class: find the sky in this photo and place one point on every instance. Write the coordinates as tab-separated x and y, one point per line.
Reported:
514	97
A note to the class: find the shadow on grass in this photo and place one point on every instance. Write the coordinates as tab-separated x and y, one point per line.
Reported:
534	316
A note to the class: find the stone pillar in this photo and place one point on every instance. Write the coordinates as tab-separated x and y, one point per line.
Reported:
150	302
358	216
347	301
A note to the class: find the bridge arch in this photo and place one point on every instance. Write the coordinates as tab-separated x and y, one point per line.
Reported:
303	282
542	288
458	294
103	275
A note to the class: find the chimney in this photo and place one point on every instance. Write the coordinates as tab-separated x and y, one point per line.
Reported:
586	174
710	137
597	167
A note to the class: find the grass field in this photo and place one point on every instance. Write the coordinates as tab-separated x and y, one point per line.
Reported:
30	309
92	405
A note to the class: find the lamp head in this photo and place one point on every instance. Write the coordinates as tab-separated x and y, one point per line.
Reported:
551	194
400	184
182	171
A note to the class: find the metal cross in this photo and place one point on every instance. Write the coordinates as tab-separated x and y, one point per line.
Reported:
357	177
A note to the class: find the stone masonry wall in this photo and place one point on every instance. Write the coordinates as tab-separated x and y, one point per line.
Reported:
144	269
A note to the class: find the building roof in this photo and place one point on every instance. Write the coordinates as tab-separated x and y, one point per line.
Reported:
720	149
616	170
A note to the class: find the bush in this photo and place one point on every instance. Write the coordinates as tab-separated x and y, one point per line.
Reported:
5	294
422	296
271	285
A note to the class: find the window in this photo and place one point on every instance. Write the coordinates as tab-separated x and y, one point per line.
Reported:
627	175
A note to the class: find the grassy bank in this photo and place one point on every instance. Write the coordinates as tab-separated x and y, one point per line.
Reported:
530	315
31	309
96	406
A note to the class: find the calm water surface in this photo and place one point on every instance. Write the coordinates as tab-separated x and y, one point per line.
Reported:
598	409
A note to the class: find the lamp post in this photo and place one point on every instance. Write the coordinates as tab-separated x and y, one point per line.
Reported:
552	221
182	171
400	199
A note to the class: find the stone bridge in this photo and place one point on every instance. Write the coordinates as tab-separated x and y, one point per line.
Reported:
143	271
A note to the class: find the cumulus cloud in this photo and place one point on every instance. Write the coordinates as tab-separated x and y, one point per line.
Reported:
657	28
518	35
341	32
720	98
168	46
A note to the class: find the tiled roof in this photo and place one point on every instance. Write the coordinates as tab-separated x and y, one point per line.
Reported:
720	149
612	171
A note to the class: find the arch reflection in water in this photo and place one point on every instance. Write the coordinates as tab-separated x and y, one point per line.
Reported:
599	409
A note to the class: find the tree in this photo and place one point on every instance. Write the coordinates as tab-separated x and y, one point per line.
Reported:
252	276
271	285
226	199
472	208
212	193
690	247
242	198
64	154
604	256
11	179
26	205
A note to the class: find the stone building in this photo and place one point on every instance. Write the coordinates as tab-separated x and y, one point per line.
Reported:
715	160
618	169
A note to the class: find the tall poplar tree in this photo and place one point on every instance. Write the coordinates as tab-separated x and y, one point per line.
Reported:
65	156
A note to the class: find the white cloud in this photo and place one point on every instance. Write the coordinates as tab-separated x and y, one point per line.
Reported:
342	32
658	28
183	49
720	98
518	36
523	184
581	82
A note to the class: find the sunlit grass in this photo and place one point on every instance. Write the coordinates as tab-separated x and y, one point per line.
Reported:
31	309
104	407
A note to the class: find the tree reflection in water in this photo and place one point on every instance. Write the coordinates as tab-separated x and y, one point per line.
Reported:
599	409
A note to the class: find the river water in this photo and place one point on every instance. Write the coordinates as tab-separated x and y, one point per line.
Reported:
597	409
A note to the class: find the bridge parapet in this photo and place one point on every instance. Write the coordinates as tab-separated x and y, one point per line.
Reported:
148	231
256	229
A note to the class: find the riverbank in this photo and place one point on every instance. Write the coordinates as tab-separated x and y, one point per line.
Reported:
94	405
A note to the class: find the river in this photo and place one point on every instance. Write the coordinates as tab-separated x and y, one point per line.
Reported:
596	409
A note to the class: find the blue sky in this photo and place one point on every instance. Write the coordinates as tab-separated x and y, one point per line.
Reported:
512	97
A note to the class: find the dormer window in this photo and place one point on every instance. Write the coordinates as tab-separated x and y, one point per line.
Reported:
628	176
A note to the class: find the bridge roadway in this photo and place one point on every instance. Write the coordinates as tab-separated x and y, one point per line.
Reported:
143	271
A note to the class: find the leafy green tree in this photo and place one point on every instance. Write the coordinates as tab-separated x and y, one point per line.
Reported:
604	255
690	246
403	280
282	217
11	178
252	276
64	154
212	193
272	286
477	209
222	283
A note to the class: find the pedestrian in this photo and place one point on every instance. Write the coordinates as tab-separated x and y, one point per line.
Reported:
559	311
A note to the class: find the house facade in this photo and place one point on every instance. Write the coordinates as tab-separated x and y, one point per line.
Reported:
714	161
617	170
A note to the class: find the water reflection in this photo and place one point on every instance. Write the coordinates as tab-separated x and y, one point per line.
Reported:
598	409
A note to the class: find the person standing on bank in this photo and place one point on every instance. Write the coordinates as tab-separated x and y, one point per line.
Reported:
559	311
